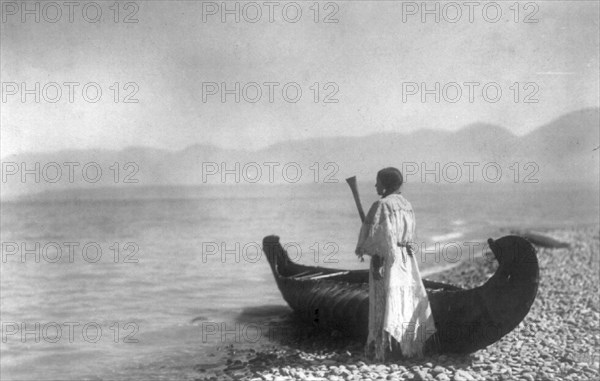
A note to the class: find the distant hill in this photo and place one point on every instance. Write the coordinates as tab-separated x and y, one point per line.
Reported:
565	149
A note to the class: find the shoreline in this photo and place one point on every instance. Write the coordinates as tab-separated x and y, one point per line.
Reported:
534	235
557	340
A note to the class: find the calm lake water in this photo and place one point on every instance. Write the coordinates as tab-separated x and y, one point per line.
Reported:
188	262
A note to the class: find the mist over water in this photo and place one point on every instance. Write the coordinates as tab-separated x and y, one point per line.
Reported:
175	257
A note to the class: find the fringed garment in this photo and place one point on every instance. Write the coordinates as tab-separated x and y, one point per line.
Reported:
399	311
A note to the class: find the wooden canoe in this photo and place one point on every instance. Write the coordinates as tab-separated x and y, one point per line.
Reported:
466	319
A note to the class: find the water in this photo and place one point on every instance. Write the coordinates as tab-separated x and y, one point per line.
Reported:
153	313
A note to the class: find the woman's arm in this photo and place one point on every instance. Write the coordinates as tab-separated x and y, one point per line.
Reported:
374	231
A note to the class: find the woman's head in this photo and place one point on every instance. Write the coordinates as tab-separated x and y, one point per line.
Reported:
389	180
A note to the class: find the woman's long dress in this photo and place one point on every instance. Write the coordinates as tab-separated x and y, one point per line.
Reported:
398	303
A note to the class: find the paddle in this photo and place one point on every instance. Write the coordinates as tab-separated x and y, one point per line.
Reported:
352	183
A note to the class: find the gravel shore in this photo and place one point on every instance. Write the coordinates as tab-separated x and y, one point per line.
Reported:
558	340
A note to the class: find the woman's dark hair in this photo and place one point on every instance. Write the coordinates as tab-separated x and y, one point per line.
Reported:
391	179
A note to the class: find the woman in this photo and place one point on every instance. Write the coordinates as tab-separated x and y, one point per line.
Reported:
399	311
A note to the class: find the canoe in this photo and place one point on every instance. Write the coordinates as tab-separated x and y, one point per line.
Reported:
466	319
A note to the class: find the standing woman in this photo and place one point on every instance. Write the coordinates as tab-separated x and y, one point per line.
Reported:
399	311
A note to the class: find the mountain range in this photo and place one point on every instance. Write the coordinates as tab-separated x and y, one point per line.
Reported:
564	150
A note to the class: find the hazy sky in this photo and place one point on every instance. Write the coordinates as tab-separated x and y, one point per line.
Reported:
370	55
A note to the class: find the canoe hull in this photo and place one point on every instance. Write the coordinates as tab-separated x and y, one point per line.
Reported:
466	320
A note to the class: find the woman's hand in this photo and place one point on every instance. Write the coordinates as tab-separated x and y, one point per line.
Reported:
361	254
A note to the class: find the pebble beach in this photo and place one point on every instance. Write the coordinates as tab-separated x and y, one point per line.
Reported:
558	340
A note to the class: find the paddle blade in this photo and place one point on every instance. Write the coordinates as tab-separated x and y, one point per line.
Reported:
354	187
352	182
